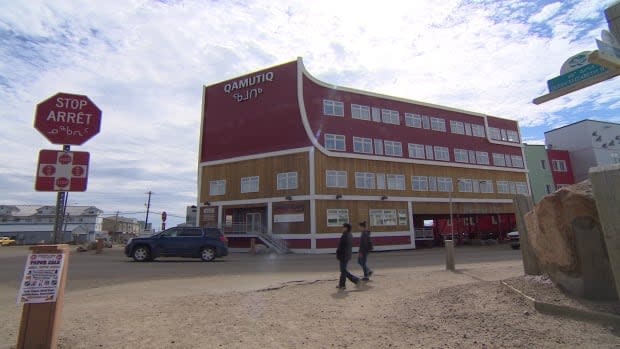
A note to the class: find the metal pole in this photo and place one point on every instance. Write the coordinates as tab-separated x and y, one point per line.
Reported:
451	221
60	207
148	207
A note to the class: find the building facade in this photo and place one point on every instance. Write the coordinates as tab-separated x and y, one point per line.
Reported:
590	143
549	170
31	224
284	154
121	228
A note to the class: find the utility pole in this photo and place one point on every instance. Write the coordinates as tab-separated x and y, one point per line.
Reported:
148	207
115	225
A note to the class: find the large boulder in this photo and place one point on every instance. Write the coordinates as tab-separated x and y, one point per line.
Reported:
566	236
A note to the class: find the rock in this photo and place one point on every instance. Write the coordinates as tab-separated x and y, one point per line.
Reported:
526	313
566	237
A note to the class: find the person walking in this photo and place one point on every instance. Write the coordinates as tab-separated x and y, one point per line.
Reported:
344	253
365	248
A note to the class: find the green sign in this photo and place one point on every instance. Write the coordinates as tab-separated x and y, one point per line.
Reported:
582	73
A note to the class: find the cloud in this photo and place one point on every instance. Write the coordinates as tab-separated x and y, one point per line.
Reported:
144	63
546	12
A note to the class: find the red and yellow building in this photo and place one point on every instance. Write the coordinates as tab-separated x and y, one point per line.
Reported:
285	155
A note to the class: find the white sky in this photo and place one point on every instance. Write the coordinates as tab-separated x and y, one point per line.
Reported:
144	63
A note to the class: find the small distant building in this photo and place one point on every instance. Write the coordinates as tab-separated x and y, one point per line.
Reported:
590	143
549	170
191	216
121	228
30	224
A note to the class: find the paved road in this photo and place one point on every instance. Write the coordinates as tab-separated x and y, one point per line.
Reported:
88	270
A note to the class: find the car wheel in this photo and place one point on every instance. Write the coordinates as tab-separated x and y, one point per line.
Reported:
141	254
207	254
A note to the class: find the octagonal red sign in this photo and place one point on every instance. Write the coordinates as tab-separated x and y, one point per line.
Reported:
68	119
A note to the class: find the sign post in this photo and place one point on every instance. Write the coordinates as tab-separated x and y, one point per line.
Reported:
42	292
67	120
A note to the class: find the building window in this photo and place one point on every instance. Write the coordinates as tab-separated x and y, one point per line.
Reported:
393	148
287	180
390	116
334	108
416	151
486	186
517	161
549	188
383	218
472	157
477	130
395	182
460	155
558	165
468	129
438	124
465	185
419	183
376	114
249	184
378	147
513	136
503	187
499	160
508	160
364	180
335	142
429	152
426	124
380	180
337	217
402	217
504	136
432	183
521	188
482	157
217	187
336	179
543	164
361	112
362	145
457	127
413	120
442	153
494	133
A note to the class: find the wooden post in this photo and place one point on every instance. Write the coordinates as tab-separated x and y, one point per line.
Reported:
252	246
606	189
523	204
40	321
449	254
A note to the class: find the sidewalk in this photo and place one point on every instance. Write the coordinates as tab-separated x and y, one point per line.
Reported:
417	307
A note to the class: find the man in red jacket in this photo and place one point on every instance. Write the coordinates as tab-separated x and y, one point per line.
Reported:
344	253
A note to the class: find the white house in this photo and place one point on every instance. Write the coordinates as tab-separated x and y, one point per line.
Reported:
29	224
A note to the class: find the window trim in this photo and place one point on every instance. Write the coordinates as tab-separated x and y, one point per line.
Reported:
338	174
339	213
288	176
336	139
217	182
249	179
360	110
363	142
334	105
438	124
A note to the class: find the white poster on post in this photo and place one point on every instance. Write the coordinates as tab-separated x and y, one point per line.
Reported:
41	278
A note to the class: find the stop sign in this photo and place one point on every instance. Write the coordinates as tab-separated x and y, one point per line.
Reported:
67	119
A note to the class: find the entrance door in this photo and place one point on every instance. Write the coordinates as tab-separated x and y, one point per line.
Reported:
253	222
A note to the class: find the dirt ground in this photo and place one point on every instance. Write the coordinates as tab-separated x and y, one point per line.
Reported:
423	307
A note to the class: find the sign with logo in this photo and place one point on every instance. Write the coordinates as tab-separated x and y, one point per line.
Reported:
62	171
41	278
574	70
247	88
67	119
288	213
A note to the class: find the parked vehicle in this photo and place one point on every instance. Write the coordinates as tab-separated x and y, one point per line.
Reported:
6	241
204	243
513	237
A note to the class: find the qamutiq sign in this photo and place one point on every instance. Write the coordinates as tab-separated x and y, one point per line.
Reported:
68	119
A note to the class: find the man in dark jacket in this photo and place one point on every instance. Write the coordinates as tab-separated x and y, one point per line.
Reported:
344	253
365	248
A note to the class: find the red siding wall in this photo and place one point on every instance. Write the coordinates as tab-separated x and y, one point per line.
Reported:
561	177
269	122
321	124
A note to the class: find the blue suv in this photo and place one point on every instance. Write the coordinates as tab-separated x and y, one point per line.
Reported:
204	243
